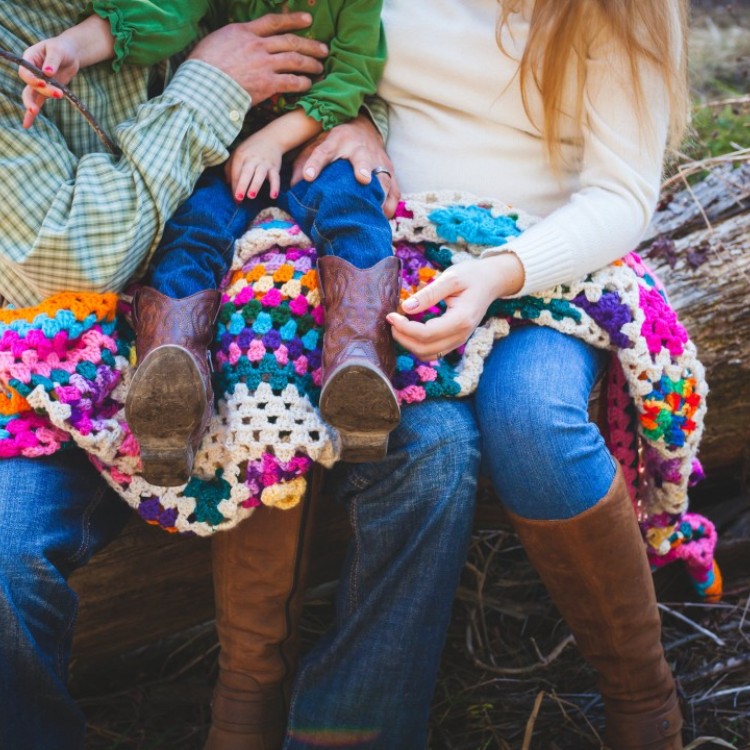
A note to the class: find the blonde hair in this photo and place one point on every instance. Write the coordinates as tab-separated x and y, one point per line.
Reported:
651	31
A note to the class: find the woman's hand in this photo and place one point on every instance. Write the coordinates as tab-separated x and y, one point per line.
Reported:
359	142
468	289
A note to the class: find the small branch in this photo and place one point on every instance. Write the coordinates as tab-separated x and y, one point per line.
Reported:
692	624
729	692
732	664
67	93
732	102
544	661
529	732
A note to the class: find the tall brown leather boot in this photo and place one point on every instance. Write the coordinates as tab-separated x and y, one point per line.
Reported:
259	571
170	400
595	569
359	355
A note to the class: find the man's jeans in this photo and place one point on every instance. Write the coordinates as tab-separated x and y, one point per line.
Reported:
412	515
56	512
341	217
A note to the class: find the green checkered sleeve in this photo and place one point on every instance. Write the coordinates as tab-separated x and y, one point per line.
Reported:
74	217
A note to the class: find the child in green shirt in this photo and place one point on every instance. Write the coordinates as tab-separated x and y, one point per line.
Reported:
170	400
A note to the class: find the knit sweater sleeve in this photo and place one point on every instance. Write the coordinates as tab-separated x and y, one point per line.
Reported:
623	152
146	31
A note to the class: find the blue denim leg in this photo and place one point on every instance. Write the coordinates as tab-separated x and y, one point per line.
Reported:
198	242
341	216
545	458
369	682
56	512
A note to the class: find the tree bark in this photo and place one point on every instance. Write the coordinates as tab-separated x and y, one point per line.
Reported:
699	246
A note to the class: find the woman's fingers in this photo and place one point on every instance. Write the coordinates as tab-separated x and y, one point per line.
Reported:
427	341
429	296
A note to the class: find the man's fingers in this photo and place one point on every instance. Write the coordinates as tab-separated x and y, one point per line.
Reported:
291	43
279	23
295	62
392	197
285	83
320	157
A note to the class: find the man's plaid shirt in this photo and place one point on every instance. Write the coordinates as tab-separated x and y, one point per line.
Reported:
72	216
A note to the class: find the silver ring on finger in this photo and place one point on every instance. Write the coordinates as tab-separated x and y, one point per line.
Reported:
381	170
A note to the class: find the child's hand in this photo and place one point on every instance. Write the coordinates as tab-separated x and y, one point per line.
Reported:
58	58
254	161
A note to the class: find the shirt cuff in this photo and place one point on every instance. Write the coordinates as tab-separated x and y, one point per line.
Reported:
377	109
216	98
546	258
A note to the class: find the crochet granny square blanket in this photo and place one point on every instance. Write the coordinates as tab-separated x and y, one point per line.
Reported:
66	365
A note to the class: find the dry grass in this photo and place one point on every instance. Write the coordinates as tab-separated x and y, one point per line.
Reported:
511	676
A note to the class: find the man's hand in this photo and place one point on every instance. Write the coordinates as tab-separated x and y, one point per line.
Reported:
263	56
359	142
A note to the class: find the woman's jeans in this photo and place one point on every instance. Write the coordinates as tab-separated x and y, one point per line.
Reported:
369	682
545	458
341	217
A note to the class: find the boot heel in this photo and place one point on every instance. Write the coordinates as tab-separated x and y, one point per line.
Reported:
166	466
361	447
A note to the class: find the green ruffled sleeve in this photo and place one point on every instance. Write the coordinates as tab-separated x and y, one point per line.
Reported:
147	32
353	67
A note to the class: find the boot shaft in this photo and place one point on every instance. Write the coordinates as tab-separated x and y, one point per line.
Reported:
595	568
356	302
188	323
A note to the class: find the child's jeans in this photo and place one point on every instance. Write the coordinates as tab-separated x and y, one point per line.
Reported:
341	217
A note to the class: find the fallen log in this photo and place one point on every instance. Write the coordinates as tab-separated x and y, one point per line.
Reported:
148	584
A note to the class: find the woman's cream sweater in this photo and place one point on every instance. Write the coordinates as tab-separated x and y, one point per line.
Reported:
457	122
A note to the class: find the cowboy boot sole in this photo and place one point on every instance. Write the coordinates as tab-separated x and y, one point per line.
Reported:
165	408
359	401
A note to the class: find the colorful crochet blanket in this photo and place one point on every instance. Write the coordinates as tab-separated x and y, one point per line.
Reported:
66	365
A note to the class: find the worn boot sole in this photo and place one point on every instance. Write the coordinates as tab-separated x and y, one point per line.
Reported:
361	404
165	408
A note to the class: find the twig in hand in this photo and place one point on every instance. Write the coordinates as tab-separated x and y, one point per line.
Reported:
67	93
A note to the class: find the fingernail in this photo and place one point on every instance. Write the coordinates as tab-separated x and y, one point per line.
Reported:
239	196
410	304
309	172
49	69
364	172
274	195
57	94
251	195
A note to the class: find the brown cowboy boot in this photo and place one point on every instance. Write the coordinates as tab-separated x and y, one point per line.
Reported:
359	355
259	571
170	400
595	569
